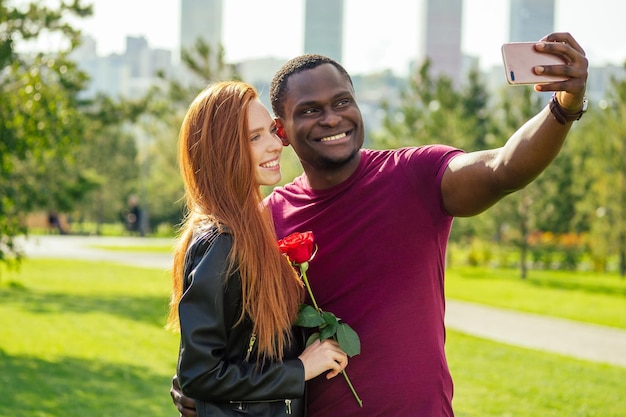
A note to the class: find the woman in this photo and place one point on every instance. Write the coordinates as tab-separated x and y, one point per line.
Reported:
235	296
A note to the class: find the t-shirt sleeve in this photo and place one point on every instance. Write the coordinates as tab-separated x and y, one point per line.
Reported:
425	166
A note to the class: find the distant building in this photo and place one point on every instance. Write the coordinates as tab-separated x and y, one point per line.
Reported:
441	37
530	20
200	19
137	56
86	50
323	28
128	75
599	82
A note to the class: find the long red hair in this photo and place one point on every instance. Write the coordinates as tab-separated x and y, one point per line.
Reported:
220	187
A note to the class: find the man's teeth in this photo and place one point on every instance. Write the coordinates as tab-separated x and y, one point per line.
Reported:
335	137
270	164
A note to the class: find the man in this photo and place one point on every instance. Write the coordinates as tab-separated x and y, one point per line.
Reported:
381	221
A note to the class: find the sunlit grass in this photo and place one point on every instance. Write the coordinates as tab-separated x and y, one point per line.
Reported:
85	339
581	296
497	380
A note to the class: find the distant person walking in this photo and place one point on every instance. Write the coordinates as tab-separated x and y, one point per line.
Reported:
54	223
134	217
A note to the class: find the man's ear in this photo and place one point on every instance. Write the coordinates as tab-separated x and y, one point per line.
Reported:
280	131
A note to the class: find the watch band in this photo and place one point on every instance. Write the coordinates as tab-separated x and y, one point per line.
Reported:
561	115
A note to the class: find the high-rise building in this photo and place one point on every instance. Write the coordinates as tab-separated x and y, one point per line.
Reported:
137	56
530	20
441	37
323	28
200	19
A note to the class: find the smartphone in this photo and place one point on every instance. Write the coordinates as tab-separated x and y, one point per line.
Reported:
519	59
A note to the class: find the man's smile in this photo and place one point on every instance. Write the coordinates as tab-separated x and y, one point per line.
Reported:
334	137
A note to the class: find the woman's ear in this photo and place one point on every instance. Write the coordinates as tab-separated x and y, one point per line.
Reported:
280	131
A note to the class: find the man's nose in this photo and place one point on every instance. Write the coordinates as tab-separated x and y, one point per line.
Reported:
330	118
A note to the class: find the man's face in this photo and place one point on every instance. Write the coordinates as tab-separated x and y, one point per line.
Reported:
322	121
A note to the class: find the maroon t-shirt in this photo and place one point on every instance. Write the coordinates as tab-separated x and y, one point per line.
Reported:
381	238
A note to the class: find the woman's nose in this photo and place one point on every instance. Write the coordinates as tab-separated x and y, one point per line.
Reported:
275	143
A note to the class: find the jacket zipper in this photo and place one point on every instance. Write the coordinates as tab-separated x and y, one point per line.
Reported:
241	405
247	359
250	346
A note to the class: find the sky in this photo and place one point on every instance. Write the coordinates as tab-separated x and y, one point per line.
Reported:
375	38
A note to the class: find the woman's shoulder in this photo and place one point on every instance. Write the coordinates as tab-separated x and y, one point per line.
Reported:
206	233
208	238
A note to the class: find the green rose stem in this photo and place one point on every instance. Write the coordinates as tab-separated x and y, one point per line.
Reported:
303	267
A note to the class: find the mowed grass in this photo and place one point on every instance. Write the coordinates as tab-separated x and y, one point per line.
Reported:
582	296
87	339
493	379
497	380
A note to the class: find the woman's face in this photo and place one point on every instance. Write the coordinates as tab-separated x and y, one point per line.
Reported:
265	145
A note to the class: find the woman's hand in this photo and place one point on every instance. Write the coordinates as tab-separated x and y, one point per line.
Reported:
323	356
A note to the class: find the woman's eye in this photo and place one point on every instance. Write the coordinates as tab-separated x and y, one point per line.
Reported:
255	138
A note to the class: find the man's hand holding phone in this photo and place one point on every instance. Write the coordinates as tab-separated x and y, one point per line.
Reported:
520	60
556	63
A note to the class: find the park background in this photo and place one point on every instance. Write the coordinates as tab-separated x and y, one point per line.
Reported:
87	337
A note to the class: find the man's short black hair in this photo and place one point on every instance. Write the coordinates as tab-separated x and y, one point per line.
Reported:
278	87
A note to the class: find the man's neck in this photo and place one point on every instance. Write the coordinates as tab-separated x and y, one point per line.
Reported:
321	178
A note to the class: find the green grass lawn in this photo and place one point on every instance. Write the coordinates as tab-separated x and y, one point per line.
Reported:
494	379
87	339
581	296
497	380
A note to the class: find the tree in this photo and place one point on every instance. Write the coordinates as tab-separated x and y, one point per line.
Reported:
41	123
517	105
603	161
429	109
109	152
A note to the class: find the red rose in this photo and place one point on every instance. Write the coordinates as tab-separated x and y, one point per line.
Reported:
298	247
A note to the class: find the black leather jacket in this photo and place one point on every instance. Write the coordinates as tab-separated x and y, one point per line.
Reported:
217	360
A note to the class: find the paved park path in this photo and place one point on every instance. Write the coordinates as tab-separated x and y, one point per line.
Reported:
566	337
